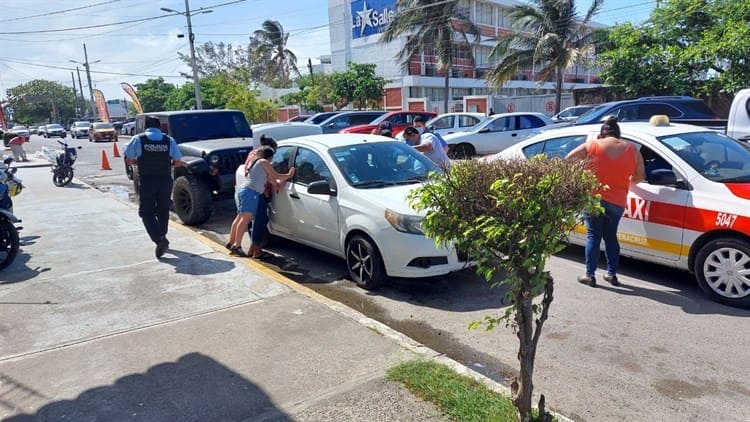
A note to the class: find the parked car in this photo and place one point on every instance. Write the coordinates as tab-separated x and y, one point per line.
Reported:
572	113
677	108
496	133
347	119
42	130
738	123
33	129
128	127
448	123
54	129
318	118
283	130
20	131
399	121
693	210
100	131
299	118
348	197
80	129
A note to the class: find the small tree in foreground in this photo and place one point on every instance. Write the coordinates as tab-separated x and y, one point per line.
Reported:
510	216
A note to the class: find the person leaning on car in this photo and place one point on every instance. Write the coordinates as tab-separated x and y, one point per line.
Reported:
155	154
429	145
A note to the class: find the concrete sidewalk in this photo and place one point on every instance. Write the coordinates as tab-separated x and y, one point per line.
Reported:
93	327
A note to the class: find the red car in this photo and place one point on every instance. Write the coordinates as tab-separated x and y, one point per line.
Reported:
399	120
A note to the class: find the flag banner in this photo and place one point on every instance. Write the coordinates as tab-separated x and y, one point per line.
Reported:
101	105
2	117
130	91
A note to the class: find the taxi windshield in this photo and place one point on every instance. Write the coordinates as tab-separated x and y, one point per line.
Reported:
715	156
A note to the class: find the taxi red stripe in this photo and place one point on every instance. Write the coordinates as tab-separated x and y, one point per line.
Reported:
691	218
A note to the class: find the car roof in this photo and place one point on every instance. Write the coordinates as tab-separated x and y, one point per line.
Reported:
639	129
332	140
181	112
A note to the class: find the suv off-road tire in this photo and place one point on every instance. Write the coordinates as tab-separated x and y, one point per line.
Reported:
192	200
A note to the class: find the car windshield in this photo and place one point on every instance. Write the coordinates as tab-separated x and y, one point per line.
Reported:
374	165
55	126
715	156
103	126
200	126
320	117
591	116
18	128
82	124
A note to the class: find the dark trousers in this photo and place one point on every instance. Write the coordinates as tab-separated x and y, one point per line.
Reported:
155	193
260	222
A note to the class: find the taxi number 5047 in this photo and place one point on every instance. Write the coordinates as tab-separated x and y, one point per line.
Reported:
725	220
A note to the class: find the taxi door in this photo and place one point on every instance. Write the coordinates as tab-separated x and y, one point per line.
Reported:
653	221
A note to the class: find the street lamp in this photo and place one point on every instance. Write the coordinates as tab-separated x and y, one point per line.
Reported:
88	77
191	38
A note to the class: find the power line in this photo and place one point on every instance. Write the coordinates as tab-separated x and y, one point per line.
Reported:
59	11
93	71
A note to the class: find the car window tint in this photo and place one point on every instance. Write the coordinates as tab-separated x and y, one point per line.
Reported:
716	157
555	147
443	123
530	122
645	111
501	124
361	119
652	160
467	121
626	113
309	167
398	119
280	161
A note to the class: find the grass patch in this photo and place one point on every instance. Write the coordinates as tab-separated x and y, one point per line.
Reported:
460	397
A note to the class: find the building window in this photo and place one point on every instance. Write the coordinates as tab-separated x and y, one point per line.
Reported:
485	12
461	51
504	17
464	8
460	93
481	91
483	55
415	92
435	94
430	69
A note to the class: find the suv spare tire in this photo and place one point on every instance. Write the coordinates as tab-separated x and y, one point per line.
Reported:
192	200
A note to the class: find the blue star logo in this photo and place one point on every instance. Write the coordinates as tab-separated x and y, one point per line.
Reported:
365	17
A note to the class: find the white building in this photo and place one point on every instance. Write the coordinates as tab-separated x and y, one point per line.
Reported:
355	27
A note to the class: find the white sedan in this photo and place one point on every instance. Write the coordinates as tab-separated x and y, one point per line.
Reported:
495	134
348	197
448	123
693	210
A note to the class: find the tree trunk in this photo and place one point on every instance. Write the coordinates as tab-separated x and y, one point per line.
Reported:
558	89
524	321
447	79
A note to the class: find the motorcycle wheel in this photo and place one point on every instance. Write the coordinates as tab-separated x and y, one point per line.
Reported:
9	243
62	176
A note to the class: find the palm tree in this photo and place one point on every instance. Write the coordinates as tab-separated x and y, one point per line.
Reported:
548	33
269	48
430	24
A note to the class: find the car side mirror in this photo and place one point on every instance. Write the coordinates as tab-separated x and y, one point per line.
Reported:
320	187
484	130
662	177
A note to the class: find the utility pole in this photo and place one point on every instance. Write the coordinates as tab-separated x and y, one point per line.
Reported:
309	66
88	77
80	88
75	95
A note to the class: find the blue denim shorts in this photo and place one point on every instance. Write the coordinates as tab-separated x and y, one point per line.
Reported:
247	200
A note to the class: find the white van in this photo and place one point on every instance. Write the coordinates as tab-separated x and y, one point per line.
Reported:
738	123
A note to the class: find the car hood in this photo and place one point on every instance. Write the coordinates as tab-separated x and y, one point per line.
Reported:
358	129
458	135
391	197
196	148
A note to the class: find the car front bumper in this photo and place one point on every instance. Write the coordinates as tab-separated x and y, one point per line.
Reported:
414	256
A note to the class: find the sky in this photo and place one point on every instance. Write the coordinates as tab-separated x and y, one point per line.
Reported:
40	38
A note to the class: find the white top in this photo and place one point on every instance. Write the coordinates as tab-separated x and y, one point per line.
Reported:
438	154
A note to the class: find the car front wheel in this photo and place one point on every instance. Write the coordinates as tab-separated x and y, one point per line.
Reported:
364	262
192	200
722	268
461	152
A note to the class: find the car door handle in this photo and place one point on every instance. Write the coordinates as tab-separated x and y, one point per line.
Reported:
294	195
513	134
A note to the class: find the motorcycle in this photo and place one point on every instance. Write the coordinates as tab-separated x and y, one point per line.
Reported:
10	186
62	168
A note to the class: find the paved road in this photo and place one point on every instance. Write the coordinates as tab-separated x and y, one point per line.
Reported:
652	349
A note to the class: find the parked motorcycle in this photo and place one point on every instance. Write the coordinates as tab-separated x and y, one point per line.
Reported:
62	167
10	186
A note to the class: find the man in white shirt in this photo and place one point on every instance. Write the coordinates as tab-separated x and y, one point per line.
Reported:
428	145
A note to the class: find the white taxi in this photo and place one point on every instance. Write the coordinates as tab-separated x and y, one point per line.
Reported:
692	211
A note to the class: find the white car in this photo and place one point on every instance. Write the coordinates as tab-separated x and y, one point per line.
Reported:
283	130
448	123
496	133
80	129
348	198
20	131
693	210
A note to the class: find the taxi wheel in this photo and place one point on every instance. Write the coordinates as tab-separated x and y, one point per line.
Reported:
722	268
364	262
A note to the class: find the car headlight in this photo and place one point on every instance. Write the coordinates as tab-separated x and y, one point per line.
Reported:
214	160
404	223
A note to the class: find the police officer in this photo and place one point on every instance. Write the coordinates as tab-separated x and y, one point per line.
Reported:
155	154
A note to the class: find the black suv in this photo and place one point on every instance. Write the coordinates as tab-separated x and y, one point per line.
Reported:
678	108
213	144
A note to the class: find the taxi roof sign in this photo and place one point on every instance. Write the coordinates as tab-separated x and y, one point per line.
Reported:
659	120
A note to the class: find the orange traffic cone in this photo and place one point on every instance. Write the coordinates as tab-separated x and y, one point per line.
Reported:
116	152
105	161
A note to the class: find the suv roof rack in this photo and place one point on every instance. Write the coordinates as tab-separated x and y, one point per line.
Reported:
667	97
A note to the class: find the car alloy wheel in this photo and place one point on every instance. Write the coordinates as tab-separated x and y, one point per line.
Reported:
722	268
461	152
364	262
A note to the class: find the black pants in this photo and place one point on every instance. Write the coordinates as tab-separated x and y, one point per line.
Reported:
155	193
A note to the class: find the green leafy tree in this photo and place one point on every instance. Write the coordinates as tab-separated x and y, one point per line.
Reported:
315	92
433	26
510	216
693	47
41	101
546	33
153	94
358	85
212	59
268	46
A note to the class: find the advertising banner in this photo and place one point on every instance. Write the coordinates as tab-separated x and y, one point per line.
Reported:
371	17
101	105
3	126
130	91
